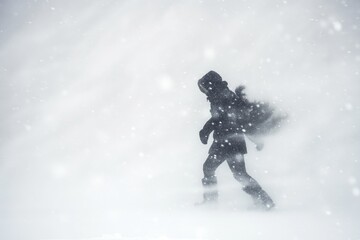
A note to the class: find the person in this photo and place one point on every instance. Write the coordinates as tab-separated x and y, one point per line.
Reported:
229	118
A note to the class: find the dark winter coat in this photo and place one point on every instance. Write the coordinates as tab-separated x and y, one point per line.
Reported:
232	115
228	135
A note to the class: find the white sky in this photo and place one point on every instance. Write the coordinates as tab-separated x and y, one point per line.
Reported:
100	113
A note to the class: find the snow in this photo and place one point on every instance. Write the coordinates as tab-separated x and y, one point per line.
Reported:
100	113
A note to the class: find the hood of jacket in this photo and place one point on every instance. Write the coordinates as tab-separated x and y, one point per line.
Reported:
212	84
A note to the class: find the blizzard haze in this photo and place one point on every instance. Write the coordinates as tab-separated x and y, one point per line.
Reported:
100	113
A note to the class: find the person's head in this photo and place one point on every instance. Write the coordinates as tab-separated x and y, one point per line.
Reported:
211	83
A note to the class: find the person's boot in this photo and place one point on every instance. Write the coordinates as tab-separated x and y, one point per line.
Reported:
210	192
263	200
260	197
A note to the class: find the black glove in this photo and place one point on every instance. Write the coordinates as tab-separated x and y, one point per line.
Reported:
203	136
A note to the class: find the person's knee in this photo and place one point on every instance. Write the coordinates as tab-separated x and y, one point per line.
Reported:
209	167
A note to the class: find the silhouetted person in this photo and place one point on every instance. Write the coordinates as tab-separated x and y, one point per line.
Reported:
230	119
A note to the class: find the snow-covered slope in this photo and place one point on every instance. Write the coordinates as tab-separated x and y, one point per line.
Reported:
100	114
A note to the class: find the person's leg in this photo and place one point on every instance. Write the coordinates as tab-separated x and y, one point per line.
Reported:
250	185
210	181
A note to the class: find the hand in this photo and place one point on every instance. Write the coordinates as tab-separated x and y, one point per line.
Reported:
259	146
203	137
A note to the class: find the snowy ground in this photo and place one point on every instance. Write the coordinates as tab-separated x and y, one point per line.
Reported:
100	114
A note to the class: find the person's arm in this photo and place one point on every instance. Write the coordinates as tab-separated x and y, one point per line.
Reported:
257	141
207	129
